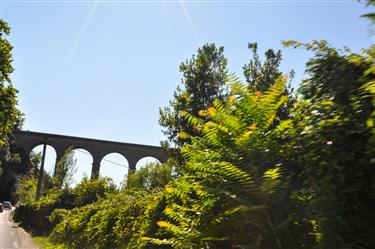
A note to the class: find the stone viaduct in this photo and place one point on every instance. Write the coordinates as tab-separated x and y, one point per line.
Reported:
28	140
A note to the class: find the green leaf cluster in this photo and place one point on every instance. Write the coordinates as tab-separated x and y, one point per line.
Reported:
10	116
203	82
34	215
227	196
150	177
110	223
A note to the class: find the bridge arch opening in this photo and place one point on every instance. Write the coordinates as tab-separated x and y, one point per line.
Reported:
145	161
36	154
83	165
115	166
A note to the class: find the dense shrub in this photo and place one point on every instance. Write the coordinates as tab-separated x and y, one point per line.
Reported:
35	216
92	190
151	176
307	182
111	223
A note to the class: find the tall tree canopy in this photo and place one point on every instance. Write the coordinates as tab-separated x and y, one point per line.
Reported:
10	116
203	81
305	182
261	76
371	15
65	169
328	145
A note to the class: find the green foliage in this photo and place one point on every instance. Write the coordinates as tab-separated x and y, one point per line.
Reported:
58	215
26	189
26	184
369	86
11	170
261	76
35	159
251	178
6	53
34	216
110	223
91	190
203	82
43	215
10	116
151	176
44	243
328	146
371	15
304	183
225	199
65	169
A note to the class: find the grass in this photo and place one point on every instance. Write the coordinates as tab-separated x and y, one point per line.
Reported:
44	243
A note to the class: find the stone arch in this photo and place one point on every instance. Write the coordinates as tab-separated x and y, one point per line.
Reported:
114	165
83	164
97	148
145	160
50	157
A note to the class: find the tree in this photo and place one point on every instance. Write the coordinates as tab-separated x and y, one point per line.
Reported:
91	190
10	116
27	184
327	147
150	177
203	81
371	15
11	167
65	168
224	199
261	76
35	159
306	182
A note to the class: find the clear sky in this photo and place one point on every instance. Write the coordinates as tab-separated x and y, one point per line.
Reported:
102	69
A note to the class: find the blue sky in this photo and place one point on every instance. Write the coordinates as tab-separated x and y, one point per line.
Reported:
102	69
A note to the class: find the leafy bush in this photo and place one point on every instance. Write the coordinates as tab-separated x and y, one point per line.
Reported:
26	189
328	147
151	176
91	190
35	215
225	199
110	223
